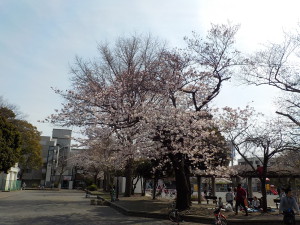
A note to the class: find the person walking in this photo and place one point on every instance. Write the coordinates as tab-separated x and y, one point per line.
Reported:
112	194
288	207
229	197
241	196
23	186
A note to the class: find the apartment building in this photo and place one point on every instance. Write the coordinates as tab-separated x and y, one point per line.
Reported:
55	170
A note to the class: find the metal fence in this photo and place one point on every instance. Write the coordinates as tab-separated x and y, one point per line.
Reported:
10	185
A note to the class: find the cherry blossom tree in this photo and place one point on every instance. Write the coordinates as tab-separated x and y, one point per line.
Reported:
188	142
156	101
98	157
181	123
113	91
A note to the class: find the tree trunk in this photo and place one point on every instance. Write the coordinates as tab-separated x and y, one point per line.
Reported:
264	194
144	186
199	181
182	186
106	182
263	187
95	179
187	175
155	180
134	184
60	179
128	174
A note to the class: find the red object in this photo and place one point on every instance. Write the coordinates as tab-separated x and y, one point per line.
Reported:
240	194
274	192
260	170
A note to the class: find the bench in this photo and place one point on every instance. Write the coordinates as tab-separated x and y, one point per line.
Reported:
214	198
277	202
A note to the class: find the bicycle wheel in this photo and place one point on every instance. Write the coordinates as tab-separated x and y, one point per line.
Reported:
223	221
173	216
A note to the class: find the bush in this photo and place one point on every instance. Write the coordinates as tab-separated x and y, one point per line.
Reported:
92	187
34	185
89	181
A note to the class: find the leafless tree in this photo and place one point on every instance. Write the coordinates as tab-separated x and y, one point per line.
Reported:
261	141
277	65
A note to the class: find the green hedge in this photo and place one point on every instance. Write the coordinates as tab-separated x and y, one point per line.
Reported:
92	187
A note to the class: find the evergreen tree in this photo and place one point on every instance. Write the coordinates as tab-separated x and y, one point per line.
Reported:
9	140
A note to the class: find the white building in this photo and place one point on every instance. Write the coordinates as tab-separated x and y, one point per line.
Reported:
9	181
55	152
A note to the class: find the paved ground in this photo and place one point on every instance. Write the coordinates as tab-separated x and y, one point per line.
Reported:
62	208
67	207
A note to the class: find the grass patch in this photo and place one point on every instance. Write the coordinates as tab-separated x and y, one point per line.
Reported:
104	195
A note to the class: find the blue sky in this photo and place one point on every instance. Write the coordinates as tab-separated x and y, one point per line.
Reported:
39	40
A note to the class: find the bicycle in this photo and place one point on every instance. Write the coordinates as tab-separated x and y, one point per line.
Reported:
171	194
177	216
220	219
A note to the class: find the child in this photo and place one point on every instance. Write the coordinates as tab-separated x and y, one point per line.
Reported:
255	203
229	197
220	203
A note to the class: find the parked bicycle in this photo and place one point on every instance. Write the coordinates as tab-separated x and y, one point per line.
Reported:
177	216
220	219
168	193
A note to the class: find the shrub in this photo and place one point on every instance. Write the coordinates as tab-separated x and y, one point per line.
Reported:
34	185
89	181
92	187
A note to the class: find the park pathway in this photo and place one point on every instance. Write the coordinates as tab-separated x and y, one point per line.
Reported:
65	207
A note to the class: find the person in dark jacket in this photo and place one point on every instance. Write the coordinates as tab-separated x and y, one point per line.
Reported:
288	206
241	195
